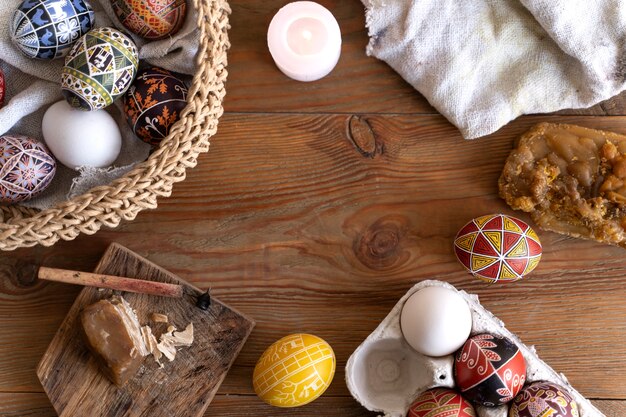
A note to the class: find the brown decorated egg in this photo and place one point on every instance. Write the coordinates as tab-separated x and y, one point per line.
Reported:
26	168
489	370
151	19
441	402
154	103
541	399
498	248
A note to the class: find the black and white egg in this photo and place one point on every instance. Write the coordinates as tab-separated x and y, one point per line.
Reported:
47	29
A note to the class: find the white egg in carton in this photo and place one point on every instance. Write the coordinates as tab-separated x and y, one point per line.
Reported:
386	375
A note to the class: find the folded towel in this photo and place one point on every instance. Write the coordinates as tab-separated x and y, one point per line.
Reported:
482	63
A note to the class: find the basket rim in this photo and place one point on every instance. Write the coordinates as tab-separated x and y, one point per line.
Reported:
87	213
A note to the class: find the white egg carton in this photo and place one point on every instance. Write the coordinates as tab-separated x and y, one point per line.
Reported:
385	374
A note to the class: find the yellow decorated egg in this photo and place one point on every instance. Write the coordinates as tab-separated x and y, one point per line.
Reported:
294	371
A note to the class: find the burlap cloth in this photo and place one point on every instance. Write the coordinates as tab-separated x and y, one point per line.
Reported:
482	63
33	85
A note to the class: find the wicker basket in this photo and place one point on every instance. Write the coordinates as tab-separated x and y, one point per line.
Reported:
125	197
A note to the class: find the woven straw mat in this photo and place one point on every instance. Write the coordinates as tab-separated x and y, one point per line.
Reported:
125	197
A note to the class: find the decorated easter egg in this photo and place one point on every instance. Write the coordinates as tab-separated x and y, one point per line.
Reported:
153	104
2	88
47	29
151	19
441	402
436	321
100	68
541	399
294	371
489	369
26	168
498	248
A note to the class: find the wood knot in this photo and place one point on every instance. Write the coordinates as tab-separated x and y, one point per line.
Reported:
362	136
17	277
381	245
25	274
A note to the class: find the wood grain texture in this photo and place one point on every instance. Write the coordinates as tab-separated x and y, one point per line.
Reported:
319	223
76	387
359	84
318	206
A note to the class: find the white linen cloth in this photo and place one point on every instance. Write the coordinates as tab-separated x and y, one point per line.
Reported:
33	85
482	63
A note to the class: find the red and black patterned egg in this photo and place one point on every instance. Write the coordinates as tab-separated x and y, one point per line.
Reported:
2	88
151	19
498	248
489	369
541	399
441	402
154	103
26	168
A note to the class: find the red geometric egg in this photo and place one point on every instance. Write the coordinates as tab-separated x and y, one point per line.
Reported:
2	88
541	399
489	370
441	402
498	248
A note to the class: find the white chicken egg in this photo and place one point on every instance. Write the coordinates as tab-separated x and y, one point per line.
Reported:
80	138
436	321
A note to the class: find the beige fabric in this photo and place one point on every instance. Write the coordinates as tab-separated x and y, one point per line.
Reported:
124	198
482	63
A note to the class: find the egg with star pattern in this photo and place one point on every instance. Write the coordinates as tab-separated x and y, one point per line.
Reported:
498	248
26	168
47	29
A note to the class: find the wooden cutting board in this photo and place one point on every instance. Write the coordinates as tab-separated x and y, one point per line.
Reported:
185	387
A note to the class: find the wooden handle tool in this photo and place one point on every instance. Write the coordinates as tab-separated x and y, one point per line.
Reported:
111	282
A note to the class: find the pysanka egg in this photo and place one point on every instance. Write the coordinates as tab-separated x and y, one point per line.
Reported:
541	399
153	104
26	168
151	19
441	402
2	88
489	369
294	371
100	68
47	29
498	248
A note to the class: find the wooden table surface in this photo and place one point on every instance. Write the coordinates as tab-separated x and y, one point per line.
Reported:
318	206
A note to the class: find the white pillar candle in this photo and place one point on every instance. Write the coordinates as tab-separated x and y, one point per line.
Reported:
304	40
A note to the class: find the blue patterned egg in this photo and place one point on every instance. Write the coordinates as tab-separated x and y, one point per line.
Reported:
100	68
26	168
47	29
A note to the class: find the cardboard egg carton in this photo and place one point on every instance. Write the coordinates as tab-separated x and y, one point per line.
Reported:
385	374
